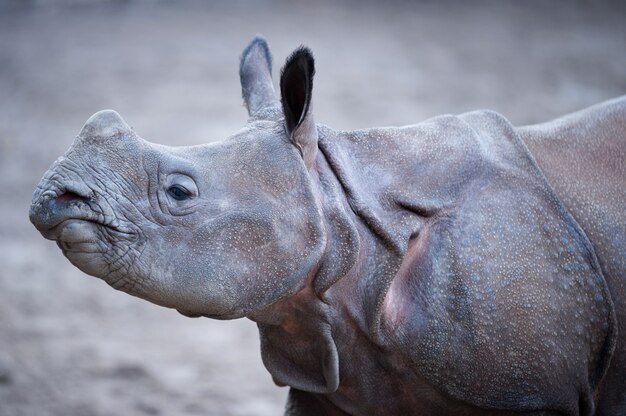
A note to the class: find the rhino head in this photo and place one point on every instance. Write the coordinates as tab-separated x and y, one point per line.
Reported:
217	230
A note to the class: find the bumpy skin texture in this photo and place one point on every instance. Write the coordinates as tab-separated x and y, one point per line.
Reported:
439	268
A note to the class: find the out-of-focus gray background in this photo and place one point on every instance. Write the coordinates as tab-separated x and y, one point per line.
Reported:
72	346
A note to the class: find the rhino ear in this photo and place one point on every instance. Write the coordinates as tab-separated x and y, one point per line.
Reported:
255	74
296	86
105	123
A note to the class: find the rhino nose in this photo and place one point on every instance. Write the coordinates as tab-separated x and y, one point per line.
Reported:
47	211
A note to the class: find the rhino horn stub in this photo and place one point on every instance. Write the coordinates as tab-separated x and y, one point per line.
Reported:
105	123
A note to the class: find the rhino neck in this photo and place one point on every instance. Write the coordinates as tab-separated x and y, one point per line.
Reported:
343	241
382	222
298	332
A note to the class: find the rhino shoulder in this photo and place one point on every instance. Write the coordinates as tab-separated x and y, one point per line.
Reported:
501	303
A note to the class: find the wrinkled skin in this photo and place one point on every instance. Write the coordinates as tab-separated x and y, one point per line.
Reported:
458	266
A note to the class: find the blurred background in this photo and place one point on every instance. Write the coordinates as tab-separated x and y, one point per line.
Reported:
72	346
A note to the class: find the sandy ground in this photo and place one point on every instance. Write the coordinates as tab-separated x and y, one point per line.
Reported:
69	344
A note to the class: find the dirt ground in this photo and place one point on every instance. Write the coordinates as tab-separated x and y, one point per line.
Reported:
72	346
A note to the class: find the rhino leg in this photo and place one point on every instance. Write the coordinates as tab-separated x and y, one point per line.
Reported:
300	403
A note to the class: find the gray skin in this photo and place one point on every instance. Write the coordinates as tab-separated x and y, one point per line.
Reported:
457	266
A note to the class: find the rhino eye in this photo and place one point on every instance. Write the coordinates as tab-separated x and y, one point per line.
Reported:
178	192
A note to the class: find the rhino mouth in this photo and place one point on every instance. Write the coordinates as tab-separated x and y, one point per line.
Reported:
71	218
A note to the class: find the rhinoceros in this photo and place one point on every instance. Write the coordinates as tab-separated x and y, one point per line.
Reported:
458	266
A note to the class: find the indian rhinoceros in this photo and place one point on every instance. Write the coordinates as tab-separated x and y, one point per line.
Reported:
459	266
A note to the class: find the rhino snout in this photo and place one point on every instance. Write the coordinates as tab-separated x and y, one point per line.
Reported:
49	210
52	210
